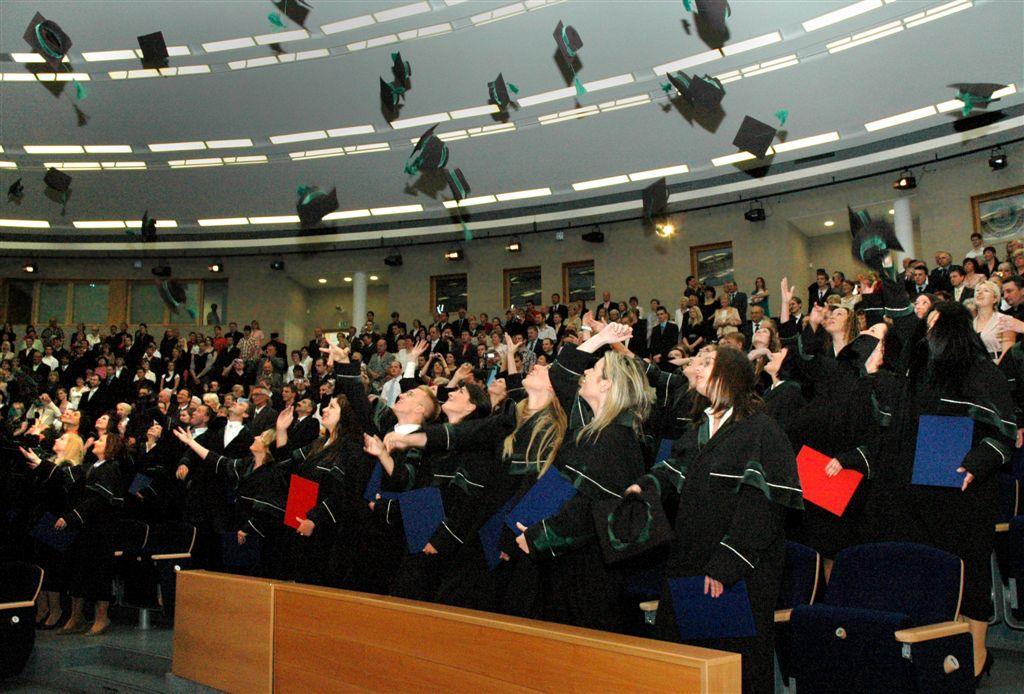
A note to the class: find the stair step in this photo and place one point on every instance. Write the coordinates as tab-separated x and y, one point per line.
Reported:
110	678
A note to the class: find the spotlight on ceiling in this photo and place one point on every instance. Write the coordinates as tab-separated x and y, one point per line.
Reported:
997	160
665	230
277	265
514	246
162	271
393	259
374	278
322	280
595	236
30	267
453	254
755	213
215	266
906	181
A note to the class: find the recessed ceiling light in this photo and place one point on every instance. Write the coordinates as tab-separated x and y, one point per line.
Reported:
53	149
841	14
25	223
829	222
892	211
398	209
347	279
900	118
176	146
374	278
601	182
322	280
298	137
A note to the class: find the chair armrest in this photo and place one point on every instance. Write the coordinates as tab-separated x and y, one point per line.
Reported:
649	606
929	632
782	615
16	605
176	555
1002	527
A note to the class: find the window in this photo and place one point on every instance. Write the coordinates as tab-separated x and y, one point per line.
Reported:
91	302
53	302
215	292
449	291
578	281
522	284
19	301
145	305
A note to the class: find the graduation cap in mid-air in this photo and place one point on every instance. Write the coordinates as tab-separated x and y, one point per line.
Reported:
871	240
569	43
16	191
656	199
700	92
173	295
632	525
457	183
711	15
60	182
499	92
154	50
314	205
48	39
754	137
390	95
402	70
429	154
975	95
148	228
295	10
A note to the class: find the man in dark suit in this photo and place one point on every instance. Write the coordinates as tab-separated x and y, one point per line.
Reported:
95	402
305	428
436	344
918	283
396	322
532	342
737	299
461	323
206	505
960	292
796	313
233	439
819	292
557	307
753	325
261	415
939	278
38	370
664	337
606	301
465	350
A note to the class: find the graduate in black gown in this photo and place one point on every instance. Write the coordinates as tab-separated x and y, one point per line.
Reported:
734	476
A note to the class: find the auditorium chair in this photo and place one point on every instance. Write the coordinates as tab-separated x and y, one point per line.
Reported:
888	621
20	584
149	572
1008	564
803	580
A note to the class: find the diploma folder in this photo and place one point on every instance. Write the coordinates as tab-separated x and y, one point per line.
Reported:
374	485
830	493
422	514
302	494
700	616
139	483
942	445
59	540
490	536
545	498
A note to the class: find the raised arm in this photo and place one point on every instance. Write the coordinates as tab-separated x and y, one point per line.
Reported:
186	438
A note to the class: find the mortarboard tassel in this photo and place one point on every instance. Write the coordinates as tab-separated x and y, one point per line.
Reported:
970	101
275	19
80	91
467	233
580	89
687	6
782	114
512	88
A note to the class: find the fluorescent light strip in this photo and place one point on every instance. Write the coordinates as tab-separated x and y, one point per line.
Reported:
733	158
398	209
195	163
628	102
381	41
609	82
108	149
346	214
433	30
19	77
160	224
224	222
751	44
347	24
731	76
298	137
318	153
32	58
53	149
420	121
840	15
936	12
491	129
100	224
474	111
99	56
353	130
804	142
545	97
280	219
403	11
449	136
62	76
600	182
658	173
470	202
8	165
684	63
254	159
367	148
900	118
223	144
777	64
282	37
25	223
865	37
563	116
176	146
229	44
498	14
193	70
72	165
523	194
123	165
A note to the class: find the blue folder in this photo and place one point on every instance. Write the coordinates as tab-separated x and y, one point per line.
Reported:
665	450
244	558
942	444
490	536
375	483
422	514
545	498
59	540
700	617
139	483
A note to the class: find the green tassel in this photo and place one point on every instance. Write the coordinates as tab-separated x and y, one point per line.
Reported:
667	87
512	88
580	89
275	19
687	6
191	313
782	115
467	233
412	167
80	91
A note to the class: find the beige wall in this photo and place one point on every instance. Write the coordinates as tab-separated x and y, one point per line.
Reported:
629	262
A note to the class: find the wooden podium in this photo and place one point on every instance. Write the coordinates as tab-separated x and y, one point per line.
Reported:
240	634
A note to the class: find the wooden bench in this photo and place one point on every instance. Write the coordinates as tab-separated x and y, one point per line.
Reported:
241	634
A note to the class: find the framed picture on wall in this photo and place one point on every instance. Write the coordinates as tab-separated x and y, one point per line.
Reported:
712	263
999	215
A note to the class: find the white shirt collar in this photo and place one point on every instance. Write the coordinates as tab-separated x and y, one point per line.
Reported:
406	428
711	420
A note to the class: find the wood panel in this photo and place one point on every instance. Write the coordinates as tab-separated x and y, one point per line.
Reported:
329	640
223	631
117	302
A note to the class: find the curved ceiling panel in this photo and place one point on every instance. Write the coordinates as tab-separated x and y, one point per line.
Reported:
236	116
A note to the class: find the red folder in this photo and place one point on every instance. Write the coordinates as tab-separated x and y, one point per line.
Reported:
830	493
302	494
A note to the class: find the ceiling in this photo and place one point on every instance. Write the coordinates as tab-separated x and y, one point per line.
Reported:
824	92
837	221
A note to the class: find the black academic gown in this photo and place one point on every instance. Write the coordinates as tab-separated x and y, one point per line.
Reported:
95	507
53	485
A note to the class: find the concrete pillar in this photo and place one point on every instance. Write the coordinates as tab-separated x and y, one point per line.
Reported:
358	300
903	223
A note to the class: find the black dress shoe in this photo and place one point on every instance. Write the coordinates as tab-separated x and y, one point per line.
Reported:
986	669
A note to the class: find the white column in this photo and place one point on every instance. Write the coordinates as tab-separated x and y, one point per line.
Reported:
358	299
903	223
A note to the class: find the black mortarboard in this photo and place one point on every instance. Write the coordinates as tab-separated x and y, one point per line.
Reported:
47	39
148	228
174	295
57	180
457	183
390	94
568	40
402	69
700	92
859	220
314	205
499	92
712	14
656	199
154	50
975	95
295	10
873	241
754	137
632	525
429	154
16	191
